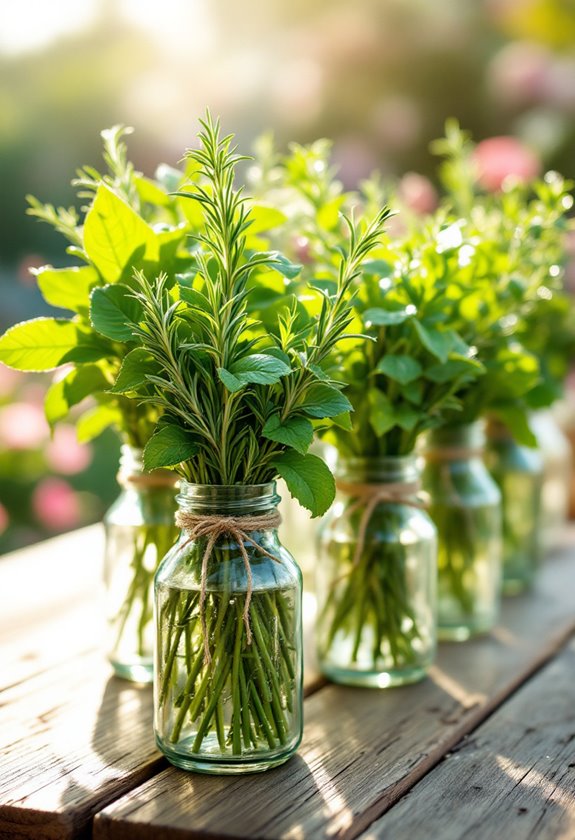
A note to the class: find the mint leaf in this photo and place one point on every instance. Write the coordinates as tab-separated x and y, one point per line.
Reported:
39	344
75	387
169	446
257	369
137	364
296	432
114	311
67	288
438	343
402	369
113	232
451	369
324	401
308	479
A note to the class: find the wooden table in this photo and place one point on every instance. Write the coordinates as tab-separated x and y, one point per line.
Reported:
484	748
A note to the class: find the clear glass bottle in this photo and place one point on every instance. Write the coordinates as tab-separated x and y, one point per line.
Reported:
465	505
376	576
518	472
557	468
237	706
140	530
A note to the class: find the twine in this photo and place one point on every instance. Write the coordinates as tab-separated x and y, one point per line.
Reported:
239	527
159	479
396	492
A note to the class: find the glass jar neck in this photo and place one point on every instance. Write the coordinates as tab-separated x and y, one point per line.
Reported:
227	499
457	442
388	469
132	476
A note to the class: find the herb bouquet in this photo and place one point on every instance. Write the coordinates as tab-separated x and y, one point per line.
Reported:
377	566
512	249
127	221
238	401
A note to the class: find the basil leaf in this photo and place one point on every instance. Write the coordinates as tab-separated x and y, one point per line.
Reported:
296	432
308	479
136	366
378	317
39	344
67	288
438	343
71	390
114	311
324	401
257	369
113	232
93	422
169	446
402	369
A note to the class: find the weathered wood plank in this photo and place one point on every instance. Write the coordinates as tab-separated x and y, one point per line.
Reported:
50	603
362	749
72	739
513	778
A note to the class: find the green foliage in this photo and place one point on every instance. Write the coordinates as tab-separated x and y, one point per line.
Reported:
128	222
239	388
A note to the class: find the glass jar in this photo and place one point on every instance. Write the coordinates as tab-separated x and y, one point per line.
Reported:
228	675
517	471
556	454
139	529
465	504
376	576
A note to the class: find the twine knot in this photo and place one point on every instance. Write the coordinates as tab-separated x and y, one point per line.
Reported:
396	492
214	526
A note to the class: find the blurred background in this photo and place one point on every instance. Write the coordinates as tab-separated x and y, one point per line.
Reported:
378	76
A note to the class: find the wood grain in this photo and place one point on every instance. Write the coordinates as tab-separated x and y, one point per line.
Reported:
513	778
72	737
50	603
362	749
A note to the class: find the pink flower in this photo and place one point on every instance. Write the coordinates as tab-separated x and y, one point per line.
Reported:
4	518
22	426
499	158
418	193
56	505
64	454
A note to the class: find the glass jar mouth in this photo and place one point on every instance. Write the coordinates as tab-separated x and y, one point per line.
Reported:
229	498
379	469
457	441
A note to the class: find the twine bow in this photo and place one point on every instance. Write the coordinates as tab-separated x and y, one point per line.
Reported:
397	492
239	528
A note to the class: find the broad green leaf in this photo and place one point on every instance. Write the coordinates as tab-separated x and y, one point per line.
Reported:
264	217
96	420
515	418
308	479
453	368
406	417
257	369
68	288
296	432
438	343
402	369
386	317
39	344
343	421
150	193
137	364
324	401
113	232
169	446
114	311
381	415
80	383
